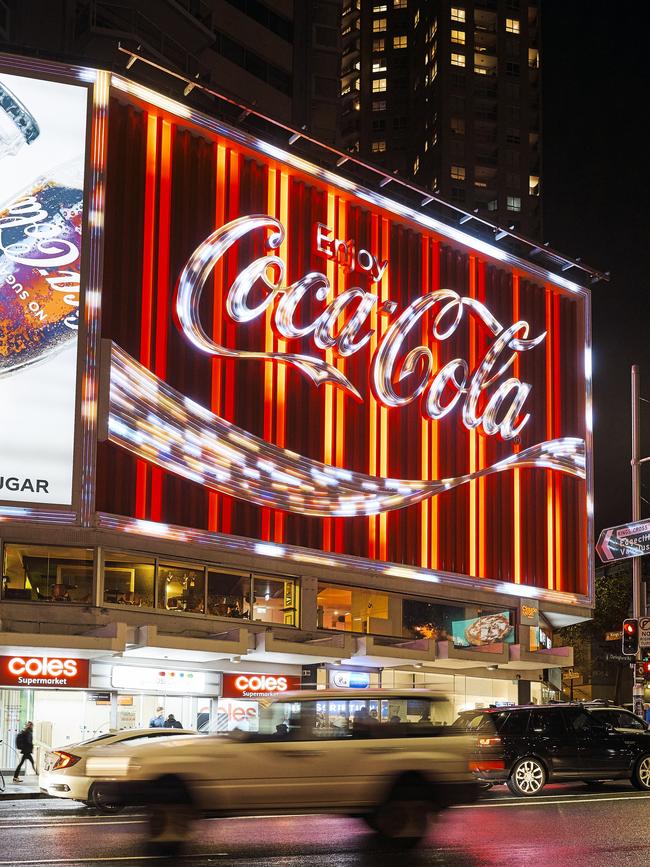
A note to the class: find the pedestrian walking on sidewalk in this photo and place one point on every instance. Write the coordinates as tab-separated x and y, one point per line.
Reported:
25	746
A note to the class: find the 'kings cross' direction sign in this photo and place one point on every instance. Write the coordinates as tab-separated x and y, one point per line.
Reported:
627	540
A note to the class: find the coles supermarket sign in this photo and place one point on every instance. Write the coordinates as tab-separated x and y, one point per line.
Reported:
255	686
44	671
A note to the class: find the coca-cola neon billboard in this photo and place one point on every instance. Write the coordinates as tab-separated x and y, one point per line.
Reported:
337	371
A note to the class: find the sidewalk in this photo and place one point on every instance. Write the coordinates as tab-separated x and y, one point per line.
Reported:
21	791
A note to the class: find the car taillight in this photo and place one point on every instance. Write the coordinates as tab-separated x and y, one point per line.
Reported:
479	765
64	760
489	742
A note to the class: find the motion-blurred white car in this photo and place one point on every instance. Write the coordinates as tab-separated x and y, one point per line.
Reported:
381	754
64	771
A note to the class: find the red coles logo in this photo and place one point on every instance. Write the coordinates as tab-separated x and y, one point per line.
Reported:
43	671
258	685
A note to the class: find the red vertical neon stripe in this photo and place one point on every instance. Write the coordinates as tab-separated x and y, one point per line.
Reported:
516	481
229	386
147	288
550	519
280	370
217	325
162	292
373	520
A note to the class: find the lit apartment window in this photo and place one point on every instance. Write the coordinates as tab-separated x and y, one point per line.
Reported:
480	70
514	203
533	58
379	65
433	30
458	36
380	7
458	125
434	139
356	105
512	25
345	90
379	25
378	147
434	70
400	4
458	60
458	173
416	165
378	85
457	14
493	205
378	45
533	185
416	19
400	41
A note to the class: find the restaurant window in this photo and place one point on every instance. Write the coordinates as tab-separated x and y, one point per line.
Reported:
464	625
129	579
181	588
275	600
353	609
47	573
228	594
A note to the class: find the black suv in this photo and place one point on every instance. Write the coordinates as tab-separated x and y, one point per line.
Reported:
526	747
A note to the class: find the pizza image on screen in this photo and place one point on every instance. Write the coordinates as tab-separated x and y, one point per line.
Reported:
488	629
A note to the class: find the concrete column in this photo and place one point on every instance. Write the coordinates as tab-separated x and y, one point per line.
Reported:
308	604
523	692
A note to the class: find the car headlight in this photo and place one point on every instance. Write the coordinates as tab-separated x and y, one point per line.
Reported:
109	766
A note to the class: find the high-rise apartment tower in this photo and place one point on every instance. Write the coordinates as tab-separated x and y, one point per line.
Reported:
448	93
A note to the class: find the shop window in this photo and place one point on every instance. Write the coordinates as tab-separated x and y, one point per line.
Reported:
275	600
181	588
228	594
464	625
129	580
353	609
47	574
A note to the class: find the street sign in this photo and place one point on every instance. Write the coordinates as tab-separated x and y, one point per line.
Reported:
571	674
624	541
614	636
644	631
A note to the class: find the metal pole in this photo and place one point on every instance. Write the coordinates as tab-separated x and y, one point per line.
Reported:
636	516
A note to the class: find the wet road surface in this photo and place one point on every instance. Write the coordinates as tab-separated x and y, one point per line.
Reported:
568	825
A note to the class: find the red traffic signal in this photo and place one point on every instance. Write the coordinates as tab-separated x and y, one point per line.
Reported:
630	636
645	668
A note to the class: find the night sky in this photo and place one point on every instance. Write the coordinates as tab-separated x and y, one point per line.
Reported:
596	200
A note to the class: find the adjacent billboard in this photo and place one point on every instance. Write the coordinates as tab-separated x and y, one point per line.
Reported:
42	162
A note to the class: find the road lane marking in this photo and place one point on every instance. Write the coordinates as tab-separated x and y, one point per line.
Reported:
85	859
539	803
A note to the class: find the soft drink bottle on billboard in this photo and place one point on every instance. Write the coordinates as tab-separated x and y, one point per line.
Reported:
40	249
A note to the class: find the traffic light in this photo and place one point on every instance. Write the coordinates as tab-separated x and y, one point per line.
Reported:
630	637
645	669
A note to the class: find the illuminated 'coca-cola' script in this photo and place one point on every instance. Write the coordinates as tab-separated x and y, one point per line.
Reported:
398	375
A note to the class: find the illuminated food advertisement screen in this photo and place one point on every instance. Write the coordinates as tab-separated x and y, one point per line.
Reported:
42	159
487	629
295	359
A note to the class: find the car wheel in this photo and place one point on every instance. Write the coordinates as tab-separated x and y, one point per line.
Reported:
528	778
641	774
101	804
404	816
